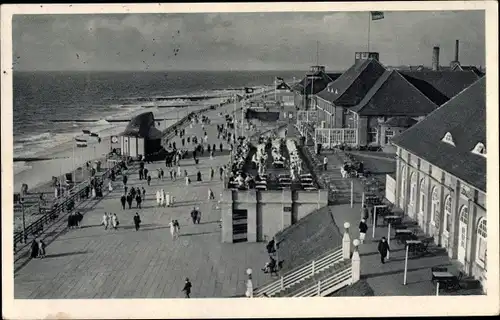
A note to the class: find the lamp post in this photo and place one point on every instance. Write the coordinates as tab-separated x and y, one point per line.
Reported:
249	292
406	263
346	242
356	262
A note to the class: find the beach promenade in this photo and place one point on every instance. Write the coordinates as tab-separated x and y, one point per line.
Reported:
91	262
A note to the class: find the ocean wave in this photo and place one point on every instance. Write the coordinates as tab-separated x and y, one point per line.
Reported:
36	137
102	122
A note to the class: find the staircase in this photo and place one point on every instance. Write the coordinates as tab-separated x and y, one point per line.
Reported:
329	268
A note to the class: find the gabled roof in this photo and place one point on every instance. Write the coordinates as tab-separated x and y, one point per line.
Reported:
307	239
392	95
440	86
399	122
464	117
143	126
314	83
353	84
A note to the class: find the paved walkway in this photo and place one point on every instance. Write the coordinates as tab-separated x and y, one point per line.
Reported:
95	263
387	279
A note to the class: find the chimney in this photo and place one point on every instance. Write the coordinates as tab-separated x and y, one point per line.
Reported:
435	58
456	50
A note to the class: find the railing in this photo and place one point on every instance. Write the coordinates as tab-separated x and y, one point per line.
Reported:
327	285
301	273
76	194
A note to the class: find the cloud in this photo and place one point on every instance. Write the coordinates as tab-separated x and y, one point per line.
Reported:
240	40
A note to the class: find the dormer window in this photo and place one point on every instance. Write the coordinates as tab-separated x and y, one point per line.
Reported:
479	149
448	139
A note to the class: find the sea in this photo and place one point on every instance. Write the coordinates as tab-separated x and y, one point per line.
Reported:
40	97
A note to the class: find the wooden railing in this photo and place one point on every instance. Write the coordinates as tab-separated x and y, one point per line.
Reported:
323	287
301	273
76	194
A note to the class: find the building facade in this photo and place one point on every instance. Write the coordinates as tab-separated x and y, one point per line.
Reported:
441	178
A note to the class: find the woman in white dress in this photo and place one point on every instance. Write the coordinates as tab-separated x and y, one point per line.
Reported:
172	229
162	198
158	198
167	199
110	186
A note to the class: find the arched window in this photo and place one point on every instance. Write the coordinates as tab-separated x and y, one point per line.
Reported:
447	213
481	242
435	206
413	187
422	195
464	214
403	181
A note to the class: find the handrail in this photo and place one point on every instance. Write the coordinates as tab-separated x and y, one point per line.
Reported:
322	285
75	193
299	273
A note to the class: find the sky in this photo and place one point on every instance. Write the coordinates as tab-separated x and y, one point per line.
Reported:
241	41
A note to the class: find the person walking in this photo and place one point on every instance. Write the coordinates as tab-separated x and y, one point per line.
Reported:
138	199
125	179
172	229
220	147
114	221
198	175
211	195
187	288
363	227
167	199
188	181
325	163
194	215
105	220
221	172
145	173
34	248
110	186
162	174
171	174
177	228
212	173
137	221
198	215
149	180
143	194
123	200
41	249
130	198
383	249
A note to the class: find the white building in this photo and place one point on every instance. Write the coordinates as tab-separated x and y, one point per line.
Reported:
441	177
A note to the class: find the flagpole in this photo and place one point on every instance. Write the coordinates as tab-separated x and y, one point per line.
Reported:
369	23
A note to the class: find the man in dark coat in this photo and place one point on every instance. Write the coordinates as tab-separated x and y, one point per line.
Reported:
138	199
187	288
34	249
78	218
363	227
220	147
146	173
137	221
71	221
125	179
130	198
383	249
198	176
149	180
141	173
194	215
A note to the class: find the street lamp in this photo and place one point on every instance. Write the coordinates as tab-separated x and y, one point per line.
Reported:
346	242
249	292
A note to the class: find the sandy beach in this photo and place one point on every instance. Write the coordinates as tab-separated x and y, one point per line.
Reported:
42	171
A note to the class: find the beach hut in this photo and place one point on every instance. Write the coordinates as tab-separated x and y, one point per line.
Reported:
141	137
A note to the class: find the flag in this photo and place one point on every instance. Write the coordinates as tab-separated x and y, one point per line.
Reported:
279	79
377	15
81	143
282	86
86	131
92	134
